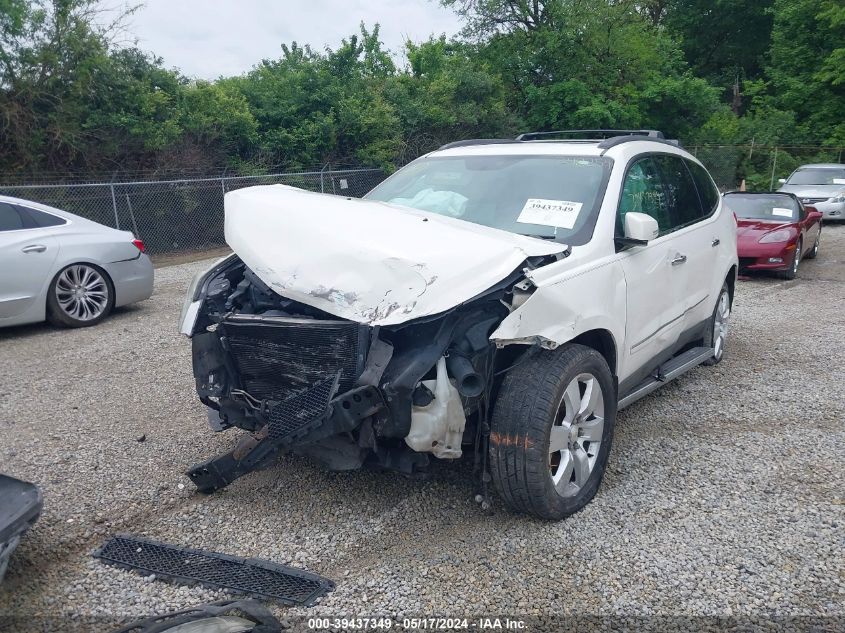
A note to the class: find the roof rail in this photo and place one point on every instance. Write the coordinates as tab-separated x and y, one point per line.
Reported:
477	141
592	134
613	141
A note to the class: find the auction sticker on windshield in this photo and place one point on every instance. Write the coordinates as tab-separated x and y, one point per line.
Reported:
560	213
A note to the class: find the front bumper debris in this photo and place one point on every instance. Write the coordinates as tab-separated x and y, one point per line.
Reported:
20	507
243	576
247	611
302	419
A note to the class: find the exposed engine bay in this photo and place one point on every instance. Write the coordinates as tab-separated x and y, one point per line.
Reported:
344	393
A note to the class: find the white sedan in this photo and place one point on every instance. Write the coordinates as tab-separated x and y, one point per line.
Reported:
63	268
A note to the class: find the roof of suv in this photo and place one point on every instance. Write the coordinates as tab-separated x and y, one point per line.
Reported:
542	143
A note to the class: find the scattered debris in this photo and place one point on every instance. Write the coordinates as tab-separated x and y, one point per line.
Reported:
20	507
227	615
250	577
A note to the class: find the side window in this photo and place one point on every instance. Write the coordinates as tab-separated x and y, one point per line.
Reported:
10	219
707	191
681	193
40	219
642	192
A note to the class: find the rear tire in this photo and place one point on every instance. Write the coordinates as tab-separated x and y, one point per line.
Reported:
719	326
551	431
79	295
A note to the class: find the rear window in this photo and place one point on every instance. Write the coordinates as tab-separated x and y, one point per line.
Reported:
39	219
681	192
707	190
10	219
774	208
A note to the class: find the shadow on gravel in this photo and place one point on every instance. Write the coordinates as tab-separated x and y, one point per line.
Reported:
44	328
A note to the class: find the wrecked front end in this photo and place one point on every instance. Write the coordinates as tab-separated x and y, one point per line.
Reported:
345	393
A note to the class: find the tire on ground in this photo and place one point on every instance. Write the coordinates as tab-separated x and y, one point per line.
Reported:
58	317
715	360
521	427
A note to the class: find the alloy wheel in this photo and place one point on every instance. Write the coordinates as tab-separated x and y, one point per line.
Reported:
576	434
82	292
720	324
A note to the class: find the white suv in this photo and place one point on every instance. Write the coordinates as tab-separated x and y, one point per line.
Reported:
504	295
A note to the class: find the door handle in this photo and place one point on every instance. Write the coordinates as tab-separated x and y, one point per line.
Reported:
715	242
679	259
34	248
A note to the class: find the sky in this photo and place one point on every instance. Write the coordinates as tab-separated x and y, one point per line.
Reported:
209	38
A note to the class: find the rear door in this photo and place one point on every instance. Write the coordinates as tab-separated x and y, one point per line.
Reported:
653	278
695	234
27	254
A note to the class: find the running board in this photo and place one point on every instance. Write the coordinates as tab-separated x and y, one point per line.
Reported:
668	371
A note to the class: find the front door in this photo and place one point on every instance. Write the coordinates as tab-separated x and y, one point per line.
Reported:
653	273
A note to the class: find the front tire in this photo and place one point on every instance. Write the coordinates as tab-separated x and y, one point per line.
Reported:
551	431
796	259
79	295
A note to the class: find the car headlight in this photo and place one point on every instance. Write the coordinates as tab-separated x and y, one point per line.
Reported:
193	298
837	199
781	235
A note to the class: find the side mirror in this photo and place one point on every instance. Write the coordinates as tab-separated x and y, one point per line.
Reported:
813	213
782	181
640	228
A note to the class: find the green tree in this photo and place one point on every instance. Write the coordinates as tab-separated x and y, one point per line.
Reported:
724	41
448	92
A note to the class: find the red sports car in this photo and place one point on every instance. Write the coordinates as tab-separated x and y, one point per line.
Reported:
774	231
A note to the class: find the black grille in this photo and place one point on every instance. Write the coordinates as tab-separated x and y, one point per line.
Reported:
253	577
279	357
294	414
812	200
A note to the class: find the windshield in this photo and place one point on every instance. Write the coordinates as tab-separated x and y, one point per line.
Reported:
554	197
820	176
766	207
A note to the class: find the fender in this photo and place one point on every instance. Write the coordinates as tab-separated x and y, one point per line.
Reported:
554	315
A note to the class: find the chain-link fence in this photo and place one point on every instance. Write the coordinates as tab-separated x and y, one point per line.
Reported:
176	216
759	167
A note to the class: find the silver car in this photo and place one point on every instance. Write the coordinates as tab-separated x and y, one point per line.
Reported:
821	186
71	271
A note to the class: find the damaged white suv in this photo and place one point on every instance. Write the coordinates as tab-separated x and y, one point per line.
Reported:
505	297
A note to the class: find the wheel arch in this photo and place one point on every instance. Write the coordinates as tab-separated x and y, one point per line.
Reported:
603	342
730	279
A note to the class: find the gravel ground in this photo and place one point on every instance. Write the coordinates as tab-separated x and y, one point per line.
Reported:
725	495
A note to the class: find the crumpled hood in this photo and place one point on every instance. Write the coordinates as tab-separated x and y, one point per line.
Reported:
366	261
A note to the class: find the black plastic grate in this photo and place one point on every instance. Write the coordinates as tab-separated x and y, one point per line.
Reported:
294	414
279	357
244	576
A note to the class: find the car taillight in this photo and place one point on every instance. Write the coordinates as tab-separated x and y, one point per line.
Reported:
139	244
